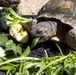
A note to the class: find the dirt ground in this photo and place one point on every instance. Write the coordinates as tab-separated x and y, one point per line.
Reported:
30	7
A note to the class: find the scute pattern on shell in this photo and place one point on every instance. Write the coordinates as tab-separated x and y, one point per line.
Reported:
64	10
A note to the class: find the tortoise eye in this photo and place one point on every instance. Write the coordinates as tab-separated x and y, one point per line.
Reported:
39	31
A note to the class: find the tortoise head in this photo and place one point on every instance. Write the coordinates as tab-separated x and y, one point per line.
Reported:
44	30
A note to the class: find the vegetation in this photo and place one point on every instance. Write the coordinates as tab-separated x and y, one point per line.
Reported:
14	57
8	17
12	22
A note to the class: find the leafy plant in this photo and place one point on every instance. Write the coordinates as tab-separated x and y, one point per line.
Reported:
8	17
15	60
57	65
34	42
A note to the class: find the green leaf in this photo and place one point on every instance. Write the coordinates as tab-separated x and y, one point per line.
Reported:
3	39
75	73
29	65
34	42
6	67
9	42
17	73
26	52
12	71
26	72
10	46
19	49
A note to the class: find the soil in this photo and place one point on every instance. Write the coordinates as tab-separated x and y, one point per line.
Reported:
30	7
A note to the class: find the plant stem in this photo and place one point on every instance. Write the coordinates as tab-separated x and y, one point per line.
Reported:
20	58
51	63
60	50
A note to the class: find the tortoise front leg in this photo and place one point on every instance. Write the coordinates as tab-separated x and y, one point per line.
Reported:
71	38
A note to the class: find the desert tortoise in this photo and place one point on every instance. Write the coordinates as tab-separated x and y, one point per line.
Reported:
57	21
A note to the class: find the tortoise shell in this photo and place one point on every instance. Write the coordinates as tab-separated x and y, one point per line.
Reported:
64	10
57	21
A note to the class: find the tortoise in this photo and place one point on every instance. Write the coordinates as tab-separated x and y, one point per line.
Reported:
56	21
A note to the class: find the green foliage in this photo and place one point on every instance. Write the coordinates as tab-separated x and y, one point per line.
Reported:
11	46
17	63
59	49
9	17
3	39
19	49
57	65
6	67
20	64
26	52
34	42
